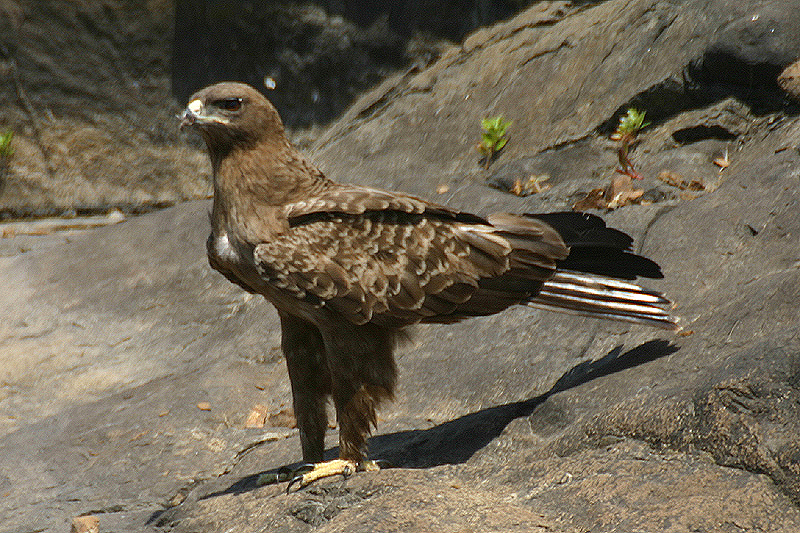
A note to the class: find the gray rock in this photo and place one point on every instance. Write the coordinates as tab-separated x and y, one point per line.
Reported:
85	89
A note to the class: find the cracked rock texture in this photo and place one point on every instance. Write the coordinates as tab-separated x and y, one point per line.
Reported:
128	368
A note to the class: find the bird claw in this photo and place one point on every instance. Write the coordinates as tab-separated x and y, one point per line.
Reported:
335	467
284	473
379	464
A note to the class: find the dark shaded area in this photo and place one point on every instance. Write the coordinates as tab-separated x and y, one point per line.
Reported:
711	78
321	54
702	133
456	441
719	74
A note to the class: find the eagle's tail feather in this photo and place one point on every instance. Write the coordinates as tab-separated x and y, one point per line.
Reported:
603	297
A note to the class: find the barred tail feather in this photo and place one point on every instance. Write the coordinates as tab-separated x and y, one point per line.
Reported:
602	297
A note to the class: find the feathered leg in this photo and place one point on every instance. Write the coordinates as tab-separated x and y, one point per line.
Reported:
304	350
363	374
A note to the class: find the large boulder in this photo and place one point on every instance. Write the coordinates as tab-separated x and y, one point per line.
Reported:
132	373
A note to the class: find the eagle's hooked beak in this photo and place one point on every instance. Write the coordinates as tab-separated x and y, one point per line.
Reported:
191	114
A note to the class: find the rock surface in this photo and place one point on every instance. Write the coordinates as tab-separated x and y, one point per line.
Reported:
129	369
84	86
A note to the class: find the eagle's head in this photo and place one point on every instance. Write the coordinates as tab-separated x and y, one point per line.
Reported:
232	114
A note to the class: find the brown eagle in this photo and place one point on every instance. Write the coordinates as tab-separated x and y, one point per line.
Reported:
349	267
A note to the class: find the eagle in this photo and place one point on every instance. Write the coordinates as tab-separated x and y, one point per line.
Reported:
348	268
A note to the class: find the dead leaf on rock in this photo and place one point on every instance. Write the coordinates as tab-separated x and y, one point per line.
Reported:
283	419
85	524
533	185
593	200
789	80
670	178
257	417
177	499
676	180
619	192
204	406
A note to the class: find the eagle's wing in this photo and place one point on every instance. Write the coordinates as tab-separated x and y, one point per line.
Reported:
394	259
355	200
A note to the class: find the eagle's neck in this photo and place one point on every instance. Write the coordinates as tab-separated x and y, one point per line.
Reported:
253	183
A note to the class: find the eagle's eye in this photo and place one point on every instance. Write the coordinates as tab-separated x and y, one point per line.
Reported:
229	104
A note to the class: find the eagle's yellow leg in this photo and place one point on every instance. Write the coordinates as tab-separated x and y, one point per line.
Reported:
336	467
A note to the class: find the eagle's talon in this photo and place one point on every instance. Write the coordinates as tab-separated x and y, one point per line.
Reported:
342	467
304	468
295	479
378	464
285	474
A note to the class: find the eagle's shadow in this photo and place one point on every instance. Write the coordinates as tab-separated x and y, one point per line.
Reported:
456	441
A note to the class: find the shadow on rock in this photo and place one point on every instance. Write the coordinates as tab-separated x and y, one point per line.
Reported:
456	441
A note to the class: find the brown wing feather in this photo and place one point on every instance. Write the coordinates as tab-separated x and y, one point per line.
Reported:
354	200
387	267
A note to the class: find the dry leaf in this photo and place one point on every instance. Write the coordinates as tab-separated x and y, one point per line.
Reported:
676	180
283	418
625	198
177	499
533	185
593	200
85	524
619	192
204	406
670	178
257	417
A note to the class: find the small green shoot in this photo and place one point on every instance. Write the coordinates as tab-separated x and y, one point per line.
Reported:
629	126
6	150
493	138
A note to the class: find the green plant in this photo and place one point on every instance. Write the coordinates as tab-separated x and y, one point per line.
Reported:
6	150
628	129
493	138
